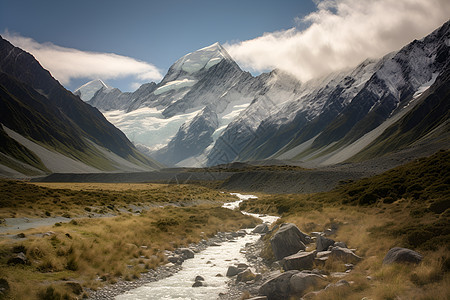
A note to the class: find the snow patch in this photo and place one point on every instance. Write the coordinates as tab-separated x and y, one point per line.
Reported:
175	85
148	126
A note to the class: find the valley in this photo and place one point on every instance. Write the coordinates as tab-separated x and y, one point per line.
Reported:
119	233
218	183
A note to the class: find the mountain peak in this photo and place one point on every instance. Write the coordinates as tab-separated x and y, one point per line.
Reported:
203	58
88	90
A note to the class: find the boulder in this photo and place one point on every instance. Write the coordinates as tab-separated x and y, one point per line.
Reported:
345	255
245	276
232	271
187	253
197	284
242	232
340	244
288	240
175	259
299	261
18	259
322	243
302	281
340	283
402	255
261	228
277	286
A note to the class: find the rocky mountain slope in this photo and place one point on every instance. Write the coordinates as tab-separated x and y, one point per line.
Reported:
207	111
45	128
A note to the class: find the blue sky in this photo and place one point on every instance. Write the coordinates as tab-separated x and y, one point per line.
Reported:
127	43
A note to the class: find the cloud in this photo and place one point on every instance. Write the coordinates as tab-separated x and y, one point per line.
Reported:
68	63
341	34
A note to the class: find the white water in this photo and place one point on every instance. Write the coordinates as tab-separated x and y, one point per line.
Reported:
208	263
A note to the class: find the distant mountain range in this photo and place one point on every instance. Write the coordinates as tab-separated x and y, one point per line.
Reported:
45	128
207	111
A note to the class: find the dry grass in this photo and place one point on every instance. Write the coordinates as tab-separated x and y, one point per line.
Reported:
110	248
20	199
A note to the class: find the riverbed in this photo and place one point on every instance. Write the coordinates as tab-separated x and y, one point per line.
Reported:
211	264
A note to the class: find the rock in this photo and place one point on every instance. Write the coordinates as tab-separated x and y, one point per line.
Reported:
299	261
261	228
288	240
197	284
245	276
199	278
323	254
187	253
4	287
302	281
322	243
320	261
175	259
340	244
18	259
277	286
340	283
349	266
345	255
232	271
402	255
75	287
242	232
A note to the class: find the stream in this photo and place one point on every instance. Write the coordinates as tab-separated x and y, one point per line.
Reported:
212	264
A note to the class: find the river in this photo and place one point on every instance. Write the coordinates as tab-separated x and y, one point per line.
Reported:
212	264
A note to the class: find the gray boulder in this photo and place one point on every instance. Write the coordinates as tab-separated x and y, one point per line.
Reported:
288	240
302	281
261	228
322	243
340	244
18	259
299	261
232	271
246	276
345	255
402	255
277	286
187	253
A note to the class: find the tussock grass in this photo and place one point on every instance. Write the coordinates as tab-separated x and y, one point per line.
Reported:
92	251
405	207
20	199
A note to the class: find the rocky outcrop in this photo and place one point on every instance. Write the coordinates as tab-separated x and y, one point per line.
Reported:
302	281
402	255
278	285
288	240
322	243
299	261
345	255
261	228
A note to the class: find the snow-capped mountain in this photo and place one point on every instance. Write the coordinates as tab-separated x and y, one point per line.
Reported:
207	111
87	91
205	89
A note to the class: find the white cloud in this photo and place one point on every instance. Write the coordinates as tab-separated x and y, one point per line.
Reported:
341	33
68	63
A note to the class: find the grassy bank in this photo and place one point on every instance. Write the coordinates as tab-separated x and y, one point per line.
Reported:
404	207
96	251
19	199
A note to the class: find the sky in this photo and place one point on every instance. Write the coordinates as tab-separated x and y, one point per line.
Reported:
128	43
